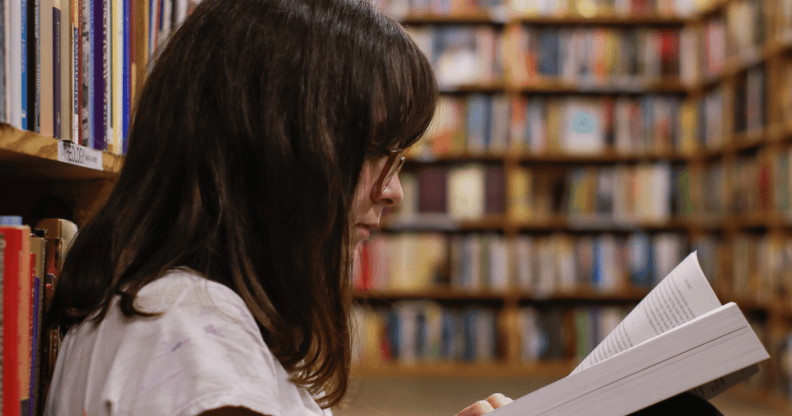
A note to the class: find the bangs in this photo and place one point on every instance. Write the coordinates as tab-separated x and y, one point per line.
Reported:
407	97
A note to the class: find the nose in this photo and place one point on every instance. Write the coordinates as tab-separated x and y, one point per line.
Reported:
392	195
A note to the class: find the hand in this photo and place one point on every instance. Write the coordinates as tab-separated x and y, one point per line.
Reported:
485	406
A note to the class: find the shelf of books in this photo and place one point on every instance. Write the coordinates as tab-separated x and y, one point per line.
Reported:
581	149
69	70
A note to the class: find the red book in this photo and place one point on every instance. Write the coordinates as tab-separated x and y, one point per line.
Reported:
16	319
363	270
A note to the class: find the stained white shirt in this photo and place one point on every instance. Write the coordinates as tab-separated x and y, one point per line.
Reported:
204	352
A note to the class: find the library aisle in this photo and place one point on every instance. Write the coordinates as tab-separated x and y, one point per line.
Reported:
443	396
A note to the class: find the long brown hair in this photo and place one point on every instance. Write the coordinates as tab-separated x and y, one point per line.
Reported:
245	149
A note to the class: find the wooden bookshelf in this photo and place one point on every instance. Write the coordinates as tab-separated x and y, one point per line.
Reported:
605	86
655	20
30	170
28	154
496	369
508	295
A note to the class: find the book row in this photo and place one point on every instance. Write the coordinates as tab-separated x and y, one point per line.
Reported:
70	67
613	194
749	102
539	266
29	267
587	57
500	10
760	266
591	56
413	332
541	125
461	55
425	331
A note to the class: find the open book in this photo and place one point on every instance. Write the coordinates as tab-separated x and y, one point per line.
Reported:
679	338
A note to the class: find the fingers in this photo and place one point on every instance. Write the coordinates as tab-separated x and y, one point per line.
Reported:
477	409
485	406
497	400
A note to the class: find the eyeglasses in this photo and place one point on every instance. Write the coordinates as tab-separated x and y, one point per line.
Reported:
392	166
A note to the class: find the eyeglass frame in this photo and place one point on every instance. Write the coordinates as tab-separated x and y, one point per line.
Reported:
392	167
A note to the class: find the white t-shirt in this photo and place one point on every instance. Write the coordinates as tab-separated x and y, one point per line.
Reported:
204	352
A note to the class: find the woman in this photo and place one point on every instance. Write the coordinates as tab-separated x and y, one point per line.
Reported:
264	145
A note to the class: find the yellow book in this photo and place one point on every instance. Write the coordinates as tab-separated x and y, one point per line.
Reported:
117	74
519	197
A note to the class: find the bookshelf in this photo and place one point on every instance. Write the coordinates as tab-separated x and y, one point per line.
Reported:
30	171
736	209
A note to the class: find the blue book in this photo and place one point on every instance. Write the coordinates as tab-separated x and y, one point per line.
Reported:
477	123
99	52
4	118
125	97
393	329
35	341
549	45
596	272
469	334
35	63
10	220
640	261
420	336
447	336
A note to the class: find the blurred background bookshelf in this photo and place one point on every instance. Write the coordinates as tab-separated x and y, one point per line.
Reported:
581	148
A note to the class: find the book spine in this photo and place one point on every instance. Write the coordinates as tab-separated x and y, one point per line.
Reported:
32	339
76	65
108	74
126	73
35	399
24	65
56	69
118	72
3	336
34	53
86	78
4	62
99	45
14	368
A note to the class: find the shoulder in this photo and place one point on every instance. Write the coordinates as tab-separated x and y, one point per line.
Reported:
203	351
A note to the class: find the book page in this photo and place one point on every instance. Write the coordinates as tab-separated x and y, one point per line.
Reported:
681	296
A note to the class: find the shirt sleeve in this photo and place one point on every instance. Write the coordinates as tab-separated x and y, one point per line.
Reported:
203	353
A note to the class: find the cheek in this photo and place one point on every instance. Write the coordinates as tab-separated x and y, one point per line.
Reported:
362	199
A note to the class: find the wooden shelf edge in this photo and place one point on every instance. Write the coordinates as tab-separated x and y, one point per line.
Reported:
24	147
495	369
445	293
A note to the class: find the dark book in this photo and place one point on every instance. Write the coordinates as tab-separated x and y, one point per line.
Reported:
495	188
432	191
549	52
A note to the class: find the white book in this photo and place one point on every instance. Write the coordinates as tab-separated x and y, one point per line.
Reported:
498	264
524	259
466	194
678	339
